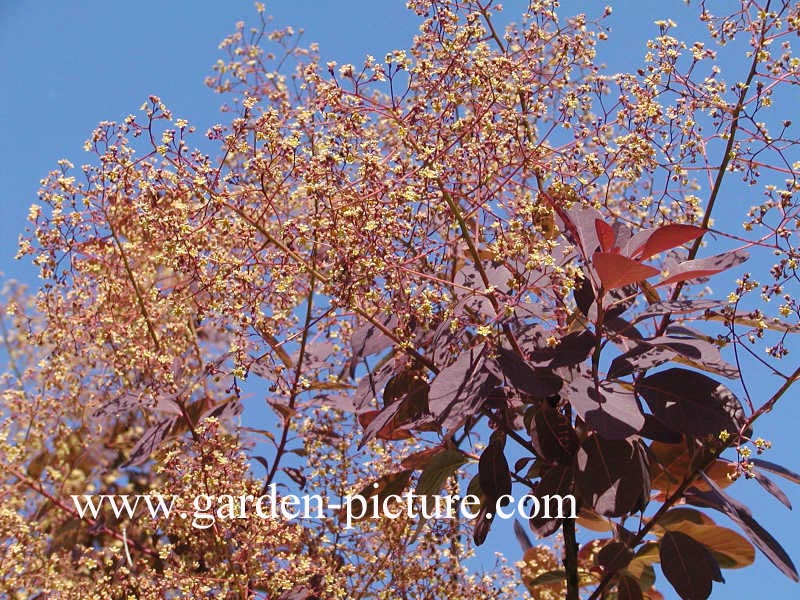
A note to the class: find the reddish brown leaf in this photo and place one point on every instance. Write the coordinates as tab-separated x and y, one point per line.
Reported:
419	459
666	237
605	234
616	270
382	424
730	550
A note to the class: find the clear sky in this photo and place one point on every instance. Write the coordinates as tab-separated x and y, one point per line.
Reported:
67	65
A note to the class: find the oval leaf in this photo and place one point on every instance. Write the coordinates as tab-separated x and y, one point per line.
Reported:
688	565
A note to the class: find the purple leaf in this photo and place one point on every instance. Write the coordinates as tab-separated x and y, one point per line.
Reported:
614	556
777	469
534	381
583	220
742	516
571	350
555	481
456	392
692	403
688	565
493	472
613	476
371	385
766	483
640	357
149	441
628	588
368	339
610	411
679	307
702	267
374	426
552	436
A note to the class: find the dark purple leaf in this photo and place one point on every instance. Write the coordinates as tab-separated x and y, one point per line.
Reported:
766	483
614	556
128	401
471	290
655	430
368	339
378	423
741	515
522	537
678	307
149	441
483	523
640	357
225	411
583	220
493	472
371	385
318	354
628	588
613	476
696	347
342	402
622	327
777	469
692	403
611	411
555	481
584	295
620	300
571	350
688	565
552	435
534	381
445	343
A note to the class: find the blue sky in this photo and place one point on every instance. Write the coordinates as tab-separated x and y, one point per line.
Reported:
67	65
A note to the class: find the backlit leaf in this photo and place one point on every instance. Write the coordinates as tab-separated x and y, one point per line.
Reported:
616	270
666	237
605	235
730	550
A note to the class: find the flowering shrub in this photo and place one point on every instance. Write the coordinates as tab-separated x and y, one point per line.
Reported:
480	247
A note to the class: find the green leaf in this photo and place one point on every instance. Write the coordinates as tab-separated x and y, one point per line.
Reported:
438	469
